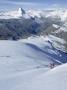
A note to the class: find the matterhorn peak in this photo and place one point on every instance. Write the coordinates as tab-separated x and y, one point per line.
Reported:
21	11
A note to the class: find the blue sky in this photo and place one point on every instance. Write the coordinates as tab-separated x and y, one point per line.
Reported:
41	4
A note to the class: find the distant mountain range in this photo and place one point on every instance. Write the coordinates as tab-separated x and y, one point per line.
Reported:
21	24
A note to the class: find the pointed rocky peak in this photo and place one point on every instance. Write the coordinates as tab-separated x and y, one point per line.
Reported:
21	11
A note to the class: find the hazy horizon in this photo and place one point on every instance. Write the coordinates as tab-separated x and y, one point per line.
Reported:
29	4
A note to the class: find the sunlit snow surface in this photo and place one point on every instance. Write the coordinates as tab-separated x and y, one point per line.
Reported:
21	62
55	79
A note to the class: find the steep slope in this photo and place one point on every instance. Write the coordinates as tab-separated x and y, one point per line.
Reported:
61	35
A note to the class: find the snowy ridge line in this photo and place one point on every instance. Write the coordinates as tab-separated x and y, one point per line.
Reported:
61	13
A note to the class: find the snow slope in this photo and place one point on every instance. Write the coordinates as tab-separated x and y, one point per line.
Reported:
57	42
21	62
55	79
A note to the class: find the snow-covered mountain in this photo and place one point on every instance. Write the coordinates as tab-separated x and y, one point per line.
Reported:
60	13
32	43
22	24
12	14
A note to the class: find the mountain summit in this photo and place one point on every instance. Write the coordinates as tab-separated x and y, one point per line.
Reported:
12	14
21	11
